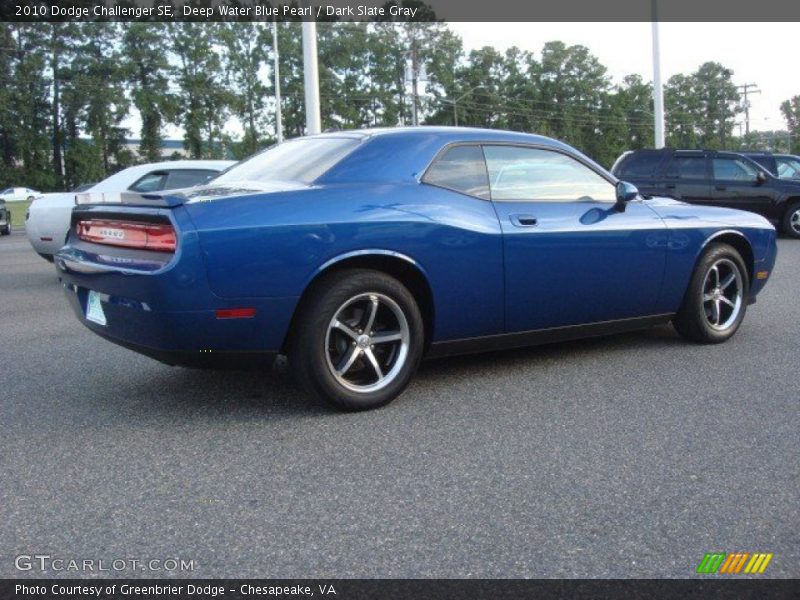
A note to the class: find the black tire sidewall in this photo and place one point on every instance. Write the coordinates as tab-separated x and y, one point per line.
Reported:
693	313
308	350
787	220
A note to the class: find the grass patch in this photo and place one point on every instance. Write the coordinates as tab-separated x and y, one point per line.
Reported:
18	210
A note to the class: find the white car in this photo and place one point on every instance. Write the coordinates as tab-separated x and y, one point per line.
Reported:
18	194
48	219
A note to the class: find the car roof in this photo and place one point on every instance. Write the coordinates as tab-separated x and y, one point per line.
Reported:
454	133
404	153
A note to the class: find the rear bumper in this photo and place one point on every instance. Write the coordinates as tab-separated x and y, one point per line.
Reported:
190	338
160	305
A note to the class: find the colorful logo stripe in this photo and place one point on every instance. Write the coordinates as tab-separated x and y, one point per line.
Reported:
733	563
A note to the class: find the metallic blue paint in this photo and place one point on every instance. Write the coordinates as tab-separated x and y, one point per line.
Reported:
581	262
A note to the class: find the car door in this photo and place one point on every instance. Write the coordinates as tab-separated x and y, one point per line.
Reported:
570	256
736	184
686	178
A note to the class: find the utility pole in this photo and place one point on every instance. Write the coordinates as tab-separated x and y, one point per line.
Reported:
748	88
658	88
276	68
414	81
311	77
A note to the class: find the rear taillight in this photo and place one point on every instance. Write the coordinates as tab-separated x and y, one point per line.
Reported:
145	236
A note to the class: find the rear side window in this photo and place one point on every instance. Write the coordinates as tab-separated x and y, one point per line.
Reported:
183	178
641	164
687	167
152	182
460	168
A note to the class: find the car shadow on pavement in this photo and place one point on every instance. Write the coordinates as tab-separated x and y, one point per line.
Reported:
273	394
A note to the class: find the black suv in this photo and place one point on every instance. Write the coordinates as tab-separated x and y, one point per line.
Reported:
715	178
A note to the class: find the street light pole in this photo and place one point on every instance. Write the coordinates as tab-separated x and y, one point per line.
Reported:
276	68
311	78
658	88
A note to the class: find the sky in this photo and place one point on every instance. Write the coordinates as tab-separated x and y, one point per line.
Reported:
760	53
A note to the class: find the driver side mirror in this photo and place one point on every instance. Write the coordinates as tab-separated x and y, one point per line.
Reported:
625	193
761	177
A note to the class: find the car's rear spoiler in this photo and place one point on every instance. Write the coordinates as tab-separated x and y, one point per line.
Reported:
131	198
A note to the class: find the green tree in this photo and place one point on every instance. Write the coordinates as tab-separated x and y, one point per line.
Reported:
791	112
148	74
100	76
247	47
702	107
204	100
30	106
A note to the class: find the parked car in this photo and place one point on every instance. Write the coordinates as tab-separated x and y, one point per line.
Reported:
715	178
5	218
48	217
785	166
356	253
18	194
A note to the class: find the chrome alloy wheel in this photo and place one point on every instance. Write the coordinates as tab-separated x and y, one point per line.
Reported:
366	344
722	294
794	221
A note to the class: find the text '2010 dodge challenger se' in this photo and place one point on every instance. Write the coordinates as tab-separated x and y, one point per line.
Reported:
356	253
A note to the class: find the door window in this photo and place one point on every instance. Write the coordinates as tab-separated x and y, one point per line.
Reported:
518	174
733	169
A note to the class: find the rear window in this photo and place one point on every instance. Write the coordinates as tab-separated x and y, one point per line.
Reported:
183	178
301	160
639	164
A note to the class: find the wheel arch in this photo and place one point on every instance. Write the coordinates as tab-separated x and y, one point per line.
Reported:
403	268
740	242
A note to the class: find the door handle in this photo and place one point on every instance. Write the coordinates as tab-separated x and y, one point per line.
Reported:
721	188
670	186
524	220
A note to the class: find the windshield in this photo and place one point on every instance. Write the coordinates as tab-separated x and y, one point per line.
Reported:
298	160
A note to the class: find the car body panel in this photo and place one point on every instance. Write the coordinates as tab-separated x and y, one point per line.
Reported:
586	262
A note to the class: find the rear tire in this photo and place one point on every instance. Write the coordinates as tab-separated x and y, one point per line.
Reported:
791	221
357	339
716	300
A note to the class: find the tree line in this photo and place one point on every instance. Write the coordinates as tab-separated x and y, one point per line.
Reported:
68	89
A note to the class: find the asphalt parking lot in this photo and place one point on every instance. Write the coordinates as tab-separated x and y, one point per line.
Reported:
626	456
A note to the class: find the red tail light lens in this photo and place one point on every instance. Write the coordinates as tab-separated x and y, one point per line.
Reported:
145	236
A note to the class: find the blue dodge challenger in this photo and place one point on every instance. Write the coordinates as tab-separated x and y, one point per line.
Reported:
357	253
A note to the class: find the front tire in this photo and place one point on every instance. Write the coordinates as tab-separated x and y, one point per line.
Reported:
716	299
357	340
791	221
